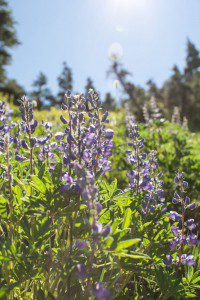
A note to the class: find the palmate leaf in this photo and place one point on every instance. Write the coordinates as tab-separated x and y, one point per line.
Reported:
122	200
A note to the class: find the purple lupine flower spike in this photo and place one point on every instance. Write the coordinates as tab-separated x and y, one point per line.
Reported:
181	236
100	292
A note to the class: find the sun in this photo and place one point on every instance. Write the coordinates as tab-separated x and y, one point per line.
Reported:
124	8
128	3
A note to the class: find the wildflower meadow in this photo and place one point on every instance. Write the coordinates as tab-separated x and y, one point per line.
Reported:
95	205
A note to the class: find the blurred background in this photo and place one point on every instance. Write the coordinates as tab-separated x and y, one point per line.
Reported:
127	50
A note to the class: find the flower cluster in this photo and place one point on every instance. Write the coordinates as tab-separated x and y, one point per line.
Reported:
151	111
86	146
6	125
183	230
154	198
89	193
140	174
145	176
154	109
58	197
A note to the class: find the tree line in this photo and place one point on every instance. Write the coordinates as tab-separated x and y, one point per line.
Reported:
181	90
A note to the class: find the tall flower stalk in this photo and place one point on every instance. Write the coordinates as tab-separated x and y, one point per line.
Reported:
183	233
9	176
26	108
86	153
139	174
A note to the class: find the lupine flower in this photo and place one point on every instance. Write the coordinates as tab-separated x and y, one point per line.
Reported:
186	259
33	126
139	176
81	244
144	177
154	198
192	239
68	181
59	135
97	227
47	125
100	292
63	120
106	231
174	216
154	110
24	144
81	271
98	140
168	260
33	142
181	239
175	230
26	109
20	158
191	261
109	134
99	207
190	224
192	206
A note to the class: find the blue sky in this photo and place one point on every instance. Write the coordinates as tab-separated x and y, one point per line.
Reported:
151	33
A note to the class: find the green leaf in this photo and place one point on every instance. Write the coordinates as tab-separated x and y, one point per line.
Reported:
3	292
102	275
127	218
196	280
20	183
38	184
41	171
133	256
3	258
127	243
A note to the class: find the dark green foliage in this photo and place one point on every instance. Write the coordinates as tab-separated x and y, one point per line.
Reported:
8	38
13	91
41	92
192	59
181	89
109	102
89	85
65	82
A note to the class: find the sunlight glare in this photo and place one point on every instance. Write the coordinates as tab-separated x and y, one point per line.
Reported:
127	3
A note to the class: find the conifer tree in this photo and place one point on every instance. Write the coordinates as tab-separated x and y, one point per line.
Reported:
8	38
65	82
41	92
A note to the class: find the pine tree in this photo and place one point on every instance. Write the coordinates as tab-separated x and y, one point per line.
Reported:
192	59
109	102
89	85
174	92
65	82
41	92
153	90
13	90
8	38
135	95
